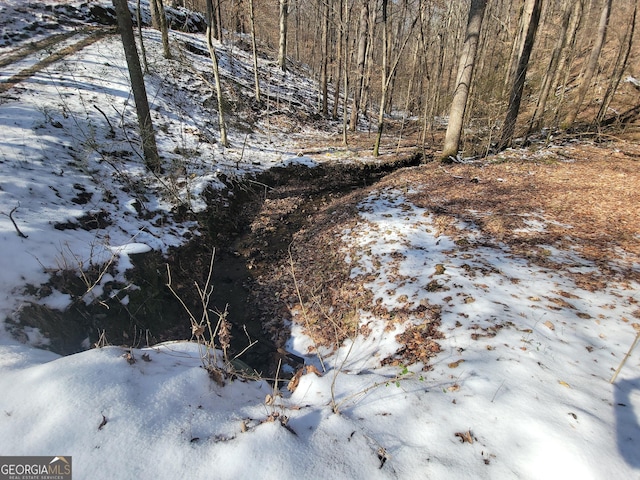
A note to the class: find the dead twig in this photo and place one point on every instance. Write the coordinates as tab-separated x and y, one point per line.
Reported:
624	360
15	225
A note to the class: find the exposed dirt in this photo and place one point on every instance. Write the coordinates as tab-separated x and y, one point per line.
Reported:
585	195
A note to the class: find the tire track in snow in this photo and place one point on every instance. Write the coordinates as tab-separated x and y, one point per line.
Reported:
54	57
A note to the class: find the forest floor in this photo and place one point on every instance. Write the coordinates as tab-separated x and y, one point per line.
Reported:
454	321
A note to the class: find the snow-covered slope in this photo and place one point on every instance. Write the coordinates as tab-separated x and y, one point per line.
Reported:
520	388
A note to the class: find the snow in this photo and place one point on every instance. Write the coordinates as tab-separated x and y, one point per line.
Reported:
525	363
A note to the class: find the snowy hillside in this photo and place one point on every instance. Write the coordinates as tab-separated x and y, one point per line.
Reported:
472	360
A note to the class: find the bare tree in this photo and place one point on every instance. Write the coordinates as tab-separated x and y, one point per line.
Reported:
358	94
532	12
161	18
621	64
147	134
324	67
550	72
463	82
344	26
282	45
216	74
592	65
145	64
388	72
254	50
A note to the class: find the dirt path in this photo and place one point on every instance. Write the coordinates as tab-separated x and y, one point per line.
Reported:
94	36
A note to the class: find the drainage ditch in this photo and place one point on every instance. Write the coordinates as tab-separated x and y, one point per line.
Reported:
250	226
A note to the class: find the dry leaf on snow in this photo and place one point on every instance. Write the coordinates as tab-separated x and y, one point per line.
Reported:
465	436
455	364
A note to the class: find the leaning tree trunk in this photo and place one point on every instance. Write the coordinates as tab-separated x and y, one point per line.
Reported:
592	65
465	74
515	98
145	64
550	73
619	68
147	135
216	75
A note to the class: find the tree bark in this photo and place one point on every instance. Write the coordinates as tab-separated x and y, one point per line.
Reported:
550	73
464	77
345	71
592	65
282	45
358	93
619	68
216	75
147	134
145	64
338	71
254	50
153	8
385	73
324	68
515	97
164	28
388	73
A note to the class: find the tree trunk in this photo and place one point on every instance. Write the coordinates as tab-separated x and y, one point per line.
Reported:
358	93
388	73
564	68
465	74
145	64
515	98
619	68
592	65
282	45
153	8
324	68
164	28
550	73
147	135
518	43
339	60
216	74
254	49
366	88
345	71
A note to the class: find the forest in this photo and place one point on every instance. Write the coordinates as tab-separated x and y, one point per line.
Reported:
505	70
320	239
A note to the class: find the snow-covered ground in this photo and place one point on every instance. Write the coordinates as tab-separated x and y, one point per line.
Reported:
520	389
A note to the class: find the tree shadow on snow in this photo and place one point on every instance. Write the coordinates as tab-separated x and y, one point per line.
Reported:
627	427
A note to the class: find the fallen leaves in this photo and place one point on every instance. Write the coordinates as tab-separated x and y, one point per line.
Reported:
465	437
440	269
455	364
295	380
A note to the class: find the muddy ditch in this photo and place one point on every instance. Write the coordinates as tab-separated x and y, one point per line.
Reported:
250	225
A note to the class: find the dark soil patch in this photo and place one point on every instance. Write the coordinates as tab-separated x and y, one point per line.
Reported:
251	226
